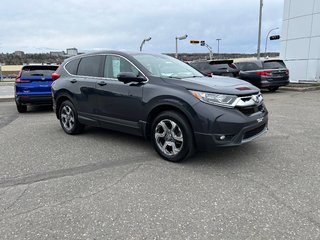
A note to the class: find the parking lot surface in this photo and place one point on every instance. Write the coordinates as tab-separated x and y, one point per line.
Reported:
108	185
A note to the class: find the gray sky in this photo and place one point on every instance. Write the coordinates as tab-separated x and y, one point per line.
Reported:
43	26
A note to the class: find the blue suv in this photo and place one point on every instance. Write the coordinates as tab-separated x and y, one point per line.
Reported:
33	86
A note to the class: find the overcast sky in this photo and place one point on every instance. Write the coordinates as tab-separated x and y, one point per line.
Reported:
44	26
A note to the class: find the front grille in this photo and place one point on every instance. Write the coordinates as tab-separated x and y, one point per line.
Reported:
254	132
251	109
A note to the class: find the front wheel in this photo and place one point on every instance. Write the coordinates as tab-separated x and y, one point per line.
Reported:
69	118
172	136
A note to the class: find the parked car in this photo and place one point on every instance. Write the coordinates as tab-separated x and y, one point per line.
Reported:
216	67
33	86
158	97
270	74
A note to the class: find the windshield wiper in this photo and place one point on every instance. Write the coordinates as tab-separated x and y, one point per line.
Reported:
193	76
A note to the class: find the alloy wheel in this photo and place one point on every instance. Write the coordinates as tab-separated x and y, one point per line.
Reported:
67	118
169	137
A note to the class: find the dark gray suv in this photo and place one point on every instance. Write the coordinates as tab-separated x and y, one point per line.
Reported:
157	97
265	73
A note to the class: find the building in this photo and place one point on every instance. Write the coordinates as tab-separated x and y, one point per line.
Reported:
9	71
300	39
19	53
57	53
72	52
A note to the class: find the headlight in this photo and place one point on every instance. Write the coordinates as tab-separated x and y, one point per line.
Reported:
215	98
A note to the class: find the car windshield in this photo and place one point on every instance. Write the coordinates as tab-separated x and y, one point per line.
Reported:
165	66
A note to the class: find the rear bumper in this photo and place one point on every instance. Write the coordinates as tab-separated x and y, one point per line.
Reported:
265	83
34	99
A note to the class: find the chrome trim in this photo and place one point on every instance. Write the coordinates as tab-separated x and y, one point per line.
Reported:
256	99
243	101
102	54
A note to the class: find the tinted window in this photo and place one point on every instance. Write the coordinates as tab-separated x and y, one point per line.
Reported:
72	66
114	65
249	66
29	71
273	64
91	66
219	66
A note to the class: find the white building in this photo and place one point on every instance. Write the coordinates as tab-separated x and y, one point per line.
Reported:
72	51
300	39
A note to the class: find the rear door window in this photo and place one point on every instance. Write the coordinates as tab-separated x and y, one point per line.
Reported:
91	66
273	65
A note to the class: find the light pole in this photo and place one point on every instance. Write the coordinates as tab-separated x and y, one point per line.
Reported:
219	39
179	38
265	46
143	42
259	31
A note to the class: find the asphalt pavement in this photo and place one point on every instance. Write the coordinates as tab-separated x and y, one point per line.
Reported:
108	185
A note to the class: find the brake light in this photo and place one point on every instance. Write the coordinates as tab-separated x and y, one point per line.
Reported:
264	73
231	65
209	74
287	72
55	76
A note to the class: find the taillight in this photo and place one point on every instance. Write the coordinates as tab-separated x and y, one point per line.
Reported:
209	74
287	72
231	65
264	73
55	76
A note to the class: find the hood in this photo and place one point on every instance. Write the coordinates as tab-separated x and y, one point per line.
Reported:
216	84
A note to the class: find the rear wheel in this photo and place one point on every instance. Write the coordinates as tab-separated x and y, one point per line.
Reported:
21	108
172	136
69	118
273	89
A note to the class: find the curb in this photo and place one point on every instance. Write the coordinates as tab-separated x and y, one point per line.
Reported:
300	89
6	99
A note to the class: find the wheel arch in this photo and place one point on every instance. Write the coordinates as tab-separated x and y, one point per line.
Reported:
162	108
63	96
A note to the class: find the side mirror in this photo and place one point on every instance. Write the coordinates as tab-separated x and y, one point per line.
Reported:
127	77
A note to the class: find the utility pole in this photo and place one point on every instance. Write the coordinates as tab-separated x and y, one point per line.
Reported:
219	39
259	31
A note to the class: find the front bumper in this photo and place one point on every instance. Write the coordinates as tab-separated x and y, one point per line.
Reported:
231	127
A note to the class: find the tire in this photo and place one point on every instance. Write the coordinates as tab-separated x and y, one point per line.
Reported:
69	119
21	108
172	136
273	89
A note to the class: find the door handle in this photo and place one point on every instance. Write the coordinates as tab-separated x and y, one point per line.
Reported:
102	83
73	81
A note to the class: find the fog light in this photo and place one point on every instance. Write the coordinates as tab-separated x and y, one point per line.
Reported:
222	137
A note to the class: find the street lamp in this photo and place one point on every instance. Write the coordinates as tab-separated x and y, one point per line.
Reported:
265	46
219	39
259	31
143	42
179	38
